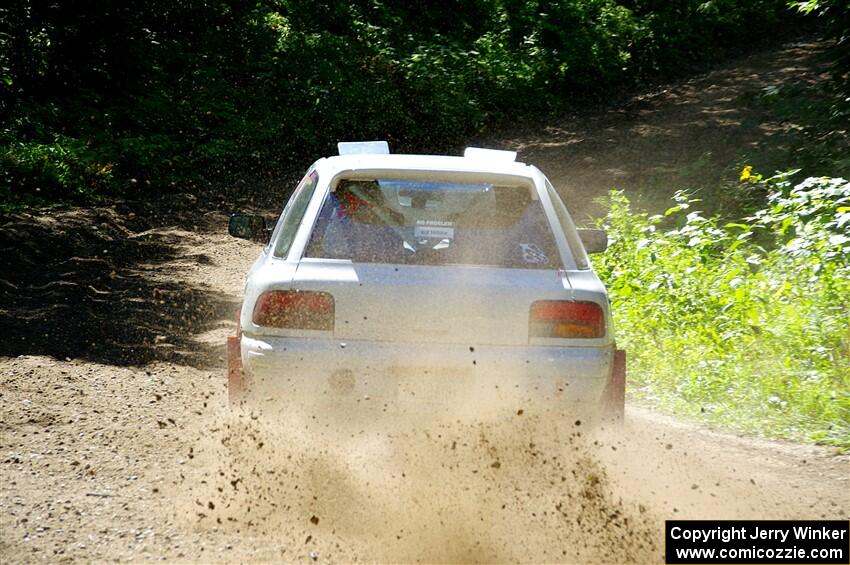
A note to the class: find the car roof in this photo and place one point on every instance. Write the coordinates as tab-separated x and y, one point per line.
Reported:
488	165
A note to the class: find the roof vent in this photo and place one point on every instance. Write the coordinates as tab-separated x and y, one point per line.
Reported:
489	154
363	148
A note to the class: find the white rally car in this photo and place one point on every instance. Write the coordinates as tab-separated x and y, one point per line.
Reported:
442	281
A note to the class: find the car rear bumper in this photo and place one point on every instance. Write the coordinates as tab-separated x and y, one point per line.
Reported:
332	374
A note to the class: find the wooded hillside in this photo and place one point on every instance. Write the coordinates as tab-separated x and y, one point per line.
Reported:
110	97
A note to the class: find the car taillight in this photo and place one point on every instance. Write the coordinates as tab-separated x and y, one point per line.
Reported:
295	309
564	319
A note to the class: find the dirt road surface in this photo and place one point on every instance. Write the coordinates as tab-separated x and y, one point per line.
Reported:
116	442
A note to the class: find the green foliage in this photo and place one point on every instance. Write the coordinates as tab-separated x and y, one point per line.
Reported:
188	93
743	324
64	170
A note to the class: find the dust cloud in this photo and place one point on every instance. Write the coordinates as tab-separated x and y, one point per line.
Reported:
516	488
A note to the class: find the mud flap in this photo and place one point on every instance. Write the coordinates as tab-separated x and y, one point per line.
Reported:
615	393
234	369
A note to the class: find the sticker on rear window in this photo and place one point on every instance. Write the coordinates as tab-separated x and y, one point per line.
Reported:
531	253
434	229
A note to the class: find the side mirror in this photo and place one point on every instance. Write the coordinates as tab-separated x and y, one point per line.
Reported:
594	241
248	226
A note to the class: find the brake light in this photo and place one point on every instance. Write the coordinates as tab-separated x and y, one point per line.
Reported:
564	319
295	309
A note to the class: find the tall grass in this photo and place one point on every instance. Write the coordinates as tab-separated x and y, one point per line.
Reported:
741	324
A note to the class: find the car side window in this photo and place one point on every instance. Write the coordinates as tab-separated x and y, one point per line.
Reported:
293	213
568	227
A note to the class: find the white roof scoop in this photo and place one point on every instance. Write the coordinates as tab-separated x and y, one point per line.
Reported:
363	148
489	154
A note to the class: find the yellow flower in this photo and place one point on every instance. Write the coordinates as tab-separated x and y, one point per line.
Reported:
745	174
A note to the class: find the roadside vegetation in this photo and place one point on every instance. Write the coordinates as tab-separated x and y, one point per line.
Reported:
745	324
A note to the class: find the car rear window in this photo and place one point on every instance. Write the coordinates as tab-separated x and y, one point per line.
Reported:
434	223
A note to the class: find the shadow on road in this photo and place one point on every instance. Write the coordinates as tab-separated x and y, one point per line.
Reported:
93	284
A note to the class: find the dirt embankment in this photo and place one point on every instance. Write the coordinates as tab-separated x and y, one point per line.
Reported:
115	440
